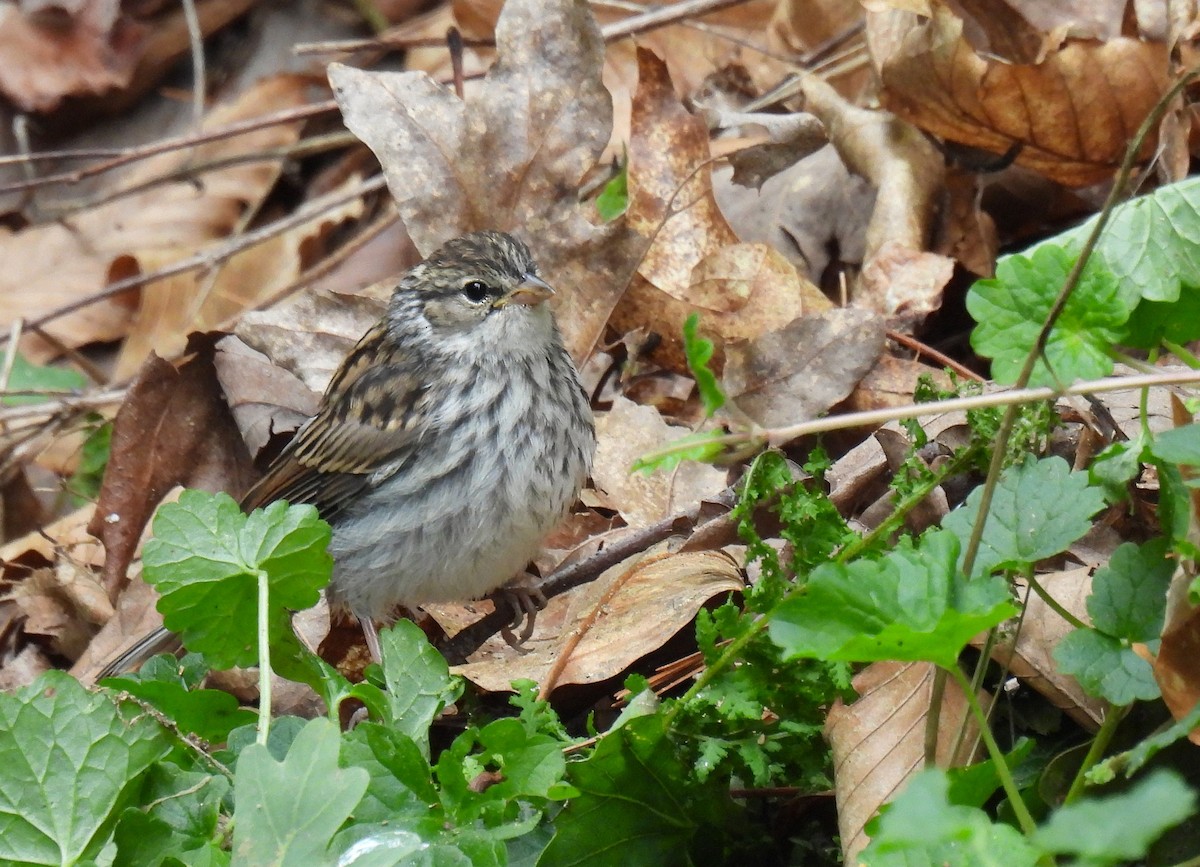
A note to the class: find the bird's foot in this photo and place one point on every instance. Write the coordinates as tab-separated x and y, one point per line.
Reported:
525	598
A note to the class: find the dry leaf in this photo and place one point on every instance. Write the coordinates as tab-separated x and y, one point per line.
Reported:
173	428
802	370
1073	113
657	597
878	741
627	432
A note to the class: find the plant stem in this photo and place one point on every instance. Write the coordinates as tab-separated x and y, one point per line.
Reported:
997	756
1055	605
264	659
1100	743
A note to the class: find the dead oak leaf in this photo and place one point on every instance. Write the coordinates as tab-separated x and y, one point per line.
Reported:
510	156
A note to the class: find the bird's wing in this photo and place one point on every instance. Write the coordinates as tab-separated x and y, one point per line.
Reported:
373	412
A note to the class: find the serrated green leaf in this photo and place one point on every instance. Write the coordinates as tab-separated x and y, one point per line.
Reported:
1105	667
921	827
1039	508
1011	307
182	823
1119	828
1137	757
1151	243
1115	467
204	560
288	812
1129	593
913	604
699	351
1179	445
69	759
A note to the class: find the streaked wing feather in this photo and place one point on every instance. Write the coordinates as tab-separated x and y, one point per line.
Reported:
370	416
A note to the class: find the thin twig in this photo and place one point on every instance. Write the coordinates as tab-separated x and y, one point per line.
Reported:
199	75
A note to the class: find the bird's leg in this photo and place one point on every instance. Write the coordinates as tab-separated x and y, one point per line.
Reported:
372	635
525	597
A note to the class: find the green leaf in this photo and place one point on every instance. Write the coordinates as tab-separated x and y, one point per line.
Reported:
208	713
287	812
1151	243
613	200
913	604
699	353
1129	593
638	805
1115	467
26	376
1153	322
1039	508
419	683
1106	667
1137	757
974	785
205	558
700	446
1118	828
1011	308
69	758
93	459
1179	445
922	827
182	822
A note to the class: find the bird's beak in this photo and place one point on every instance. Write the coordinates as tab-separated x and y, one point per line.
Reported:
529	292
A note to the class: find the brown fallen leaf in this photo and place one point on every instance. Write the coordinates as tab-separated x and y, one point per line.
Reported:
657	597
1072	110
878	742
625	433
48	265
800	371
173	428
509	157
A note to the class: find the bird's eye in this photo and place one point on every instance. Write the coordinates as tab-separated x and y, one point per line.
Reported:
476	291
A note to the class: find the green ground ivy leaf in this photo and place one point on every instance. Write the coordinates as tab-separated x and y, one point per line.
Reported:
1040	507
1129	593
913	604
208	713
1179	445
1106	667
1151	243
699	446
287	812
922	827
699	353
1119	828
1011	307
70	757
204	559
614	198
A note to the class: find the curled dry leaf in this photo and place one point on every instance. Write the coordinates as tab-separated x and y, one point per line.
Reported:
63	604
878	742
1072	112
656	598
173	428
265	399
309	333
1177	667
627	432
815	207
800	371
791	138
509	157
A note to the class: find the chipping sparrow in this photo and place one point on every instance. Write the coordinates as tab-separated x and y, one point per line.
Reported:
453	437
